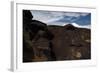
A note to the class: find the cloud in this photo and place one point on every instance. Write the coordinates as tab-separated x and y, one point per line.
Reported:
54	19
75	14
60	18
47	15
81	26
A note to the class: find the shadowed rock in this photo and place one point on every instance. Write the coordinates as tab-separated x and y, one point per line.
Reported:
71	43
50	43
36	40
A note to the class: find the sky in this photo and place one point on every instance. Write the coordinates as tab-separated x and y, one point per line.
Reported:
62	18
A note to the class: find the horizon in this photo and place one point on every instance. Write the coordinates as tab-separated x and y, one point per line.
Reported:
61	18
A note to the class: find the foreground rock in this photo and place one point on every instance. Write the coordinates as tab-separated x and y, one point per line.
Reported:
71	43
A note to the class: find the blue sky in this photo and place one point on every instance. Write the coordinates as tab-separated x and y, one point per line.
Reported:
61	18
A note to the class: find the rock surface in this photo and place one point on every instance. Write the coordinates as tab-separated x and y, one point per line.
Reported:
42	42
71	43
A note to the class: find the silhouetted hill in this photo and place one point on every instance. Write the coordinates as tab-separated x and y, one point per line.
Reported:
54	26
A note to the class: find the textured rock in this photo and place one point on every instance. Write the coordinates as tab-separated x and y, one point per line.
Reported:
42	42
71	43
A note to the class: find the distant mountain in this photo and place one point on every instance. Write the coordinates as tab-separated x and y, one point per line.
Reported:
54	26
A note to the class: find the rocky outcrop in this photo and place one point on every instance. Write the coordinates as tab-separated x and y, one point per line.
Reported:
71	43
42	42
36	40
